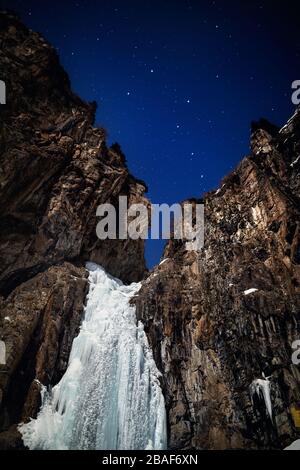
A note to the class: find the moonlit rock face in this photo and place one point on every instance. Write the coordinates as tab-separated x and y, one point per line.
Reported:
261	387
110	395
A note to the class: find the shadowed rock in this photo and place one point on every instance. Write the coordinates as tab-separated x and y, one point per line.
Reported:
219	319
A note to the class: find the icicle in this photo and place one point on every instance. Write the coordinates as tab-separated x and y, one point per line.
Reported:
262	389
110	395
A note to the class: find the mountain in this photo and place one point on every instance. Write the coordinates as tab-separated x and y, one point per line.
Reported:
220	320
56	168
221	323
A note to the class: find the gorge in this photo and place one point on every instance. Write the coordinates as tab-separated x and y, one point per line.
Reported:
186	342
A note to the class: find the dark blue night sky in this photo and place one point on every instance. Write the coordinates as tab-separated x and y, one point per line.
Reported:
177	82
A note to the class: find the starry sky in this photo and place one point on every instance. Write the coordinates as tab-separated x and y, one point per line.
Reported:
177	82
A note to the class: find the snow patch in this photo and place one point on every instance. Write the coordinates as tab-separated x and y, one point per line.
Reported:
163	261
250	291
284	128
295	161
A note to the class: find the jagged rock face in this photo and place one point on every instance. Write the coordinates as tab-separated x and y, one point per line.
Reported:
210	339
38	322
55	169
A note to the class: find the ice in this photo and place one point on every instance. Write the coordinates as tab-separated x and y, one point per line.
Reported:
284	128
163	261
110	395
262	388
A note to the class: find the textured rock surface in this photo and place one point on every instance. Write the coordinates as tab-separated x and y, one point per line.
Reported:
55	169
210	340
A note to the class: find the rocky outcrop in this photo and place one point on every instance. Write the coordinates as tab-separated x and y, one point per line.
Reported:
55	169
38	323
219	319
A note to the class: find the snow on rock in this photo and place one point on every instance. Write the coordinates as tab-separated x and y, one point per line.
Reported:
295	161
163	261
262	389
286	127
250	291
110	395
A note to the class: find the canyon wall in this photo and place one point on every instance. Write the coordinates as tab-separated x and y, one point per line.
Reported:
219	319
55	169
216	320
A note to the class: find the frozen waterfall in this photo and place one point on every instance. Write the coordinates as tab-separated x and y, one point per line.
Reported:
110	395
262	389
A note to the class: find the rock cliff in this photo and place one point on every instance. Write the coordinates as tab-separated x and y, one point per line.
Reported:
218	320
55	169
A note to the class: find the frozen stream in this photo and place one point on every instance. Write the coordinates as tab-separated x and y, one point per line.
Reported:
110	395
